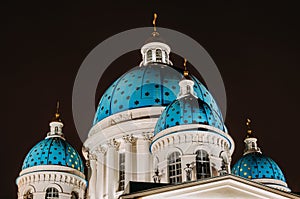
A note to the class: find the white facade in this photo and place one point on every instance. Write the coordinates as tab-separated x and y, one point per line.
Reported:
187	142
122	133
49	170
123	140
228	186
37	180
122	147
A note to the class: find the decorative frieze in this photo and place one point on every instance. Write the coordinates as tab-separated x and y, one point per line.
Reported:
40	177
197	137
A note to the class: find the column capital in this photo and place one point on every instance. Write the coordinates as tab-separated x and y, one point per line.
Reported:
101	149
92	156
148	136
113	143
129	139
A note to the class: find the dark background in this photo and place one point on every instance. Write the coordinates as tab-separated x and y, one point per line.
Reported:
254	44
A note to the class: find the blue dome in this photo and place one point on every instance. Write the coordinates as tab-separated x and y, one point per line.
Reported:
53	151
188	110
257	166
146	86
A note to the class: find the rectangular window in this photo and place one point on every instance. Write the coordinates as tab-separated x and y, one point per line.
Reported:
174	166
121	171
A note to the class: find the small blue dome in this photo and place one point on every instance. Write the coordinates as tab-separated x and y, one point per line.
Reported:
257	166
53	151
188	110
146	86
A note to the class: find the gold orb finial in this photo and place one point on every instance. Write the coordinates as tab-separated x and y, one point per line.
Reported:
185	72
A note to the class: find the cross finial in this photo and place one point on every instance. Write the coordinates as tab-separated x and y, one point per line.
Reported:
57	114
57	106
154	22
185	72
249	130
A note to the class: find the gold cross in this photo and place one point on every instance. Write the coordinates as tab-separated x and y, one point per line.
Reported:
154	22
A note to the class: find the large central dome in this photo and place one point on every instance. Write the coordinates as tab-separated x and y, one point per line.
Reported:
155	84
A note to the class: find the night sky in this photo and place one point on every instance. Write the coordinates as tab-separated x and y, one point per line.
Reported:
254	44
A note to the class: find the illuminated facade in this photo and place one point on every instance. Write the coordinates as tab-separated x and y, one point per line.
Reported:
52	168
157	125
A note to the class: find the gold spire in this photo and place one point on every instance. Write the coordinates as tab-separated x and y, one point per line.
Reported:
57	114
185	72
249	130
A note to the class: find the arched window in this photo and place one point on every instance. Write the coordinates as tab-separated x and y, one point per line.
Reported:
74	195
188	88
121	171
149	55
51	193
202	164
28	195
158	55
174	165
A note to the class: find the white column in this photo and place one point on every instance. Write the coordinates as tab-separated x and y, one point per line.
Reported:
111	168
92	181
100	172
129	141
143	160
163	55
128	161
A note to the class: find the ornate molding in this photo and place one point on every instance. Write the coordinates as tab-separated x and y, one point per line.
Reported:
56	177
120	117
195	137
